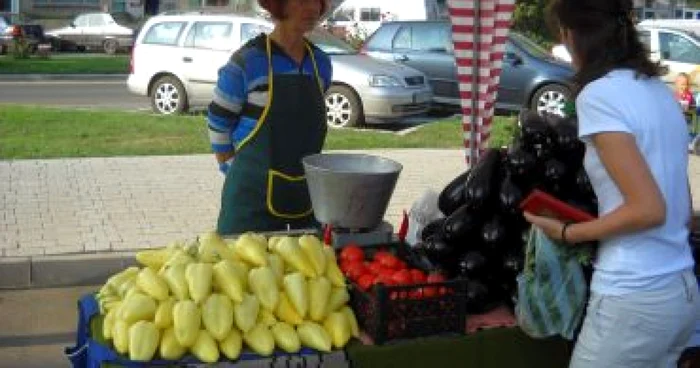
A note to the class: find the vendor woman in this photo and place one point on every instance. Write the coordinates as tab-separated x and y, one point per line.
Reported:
268	112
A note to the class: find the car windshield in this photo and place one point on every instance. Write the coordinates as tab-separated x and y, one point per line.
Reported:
529	46
330	44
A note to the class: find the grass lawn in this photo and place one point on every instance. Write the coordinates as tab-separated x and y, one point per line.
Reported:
117	64
40	132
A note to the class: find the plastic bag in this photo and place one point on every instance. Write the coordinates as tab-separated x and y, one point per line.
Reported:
552	290
423	211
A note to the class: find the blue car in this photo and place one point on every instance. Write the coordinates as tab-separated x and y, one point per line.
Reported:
531	77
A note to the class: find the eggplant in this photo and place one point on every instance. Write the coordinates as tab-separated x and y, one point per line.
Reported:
437	250
494	233
513	263
583	184
519	161
480	185
452	196
477	297
536	131
510	196
432	228
554	173
472	264
460	224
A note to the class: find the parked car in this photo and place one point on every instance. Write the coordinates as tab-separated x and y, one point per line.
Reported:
176	58
678	50
92	31
33	33
530	77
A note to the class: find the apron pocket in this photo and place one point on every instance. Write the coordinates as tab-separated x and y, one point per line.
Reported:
287	196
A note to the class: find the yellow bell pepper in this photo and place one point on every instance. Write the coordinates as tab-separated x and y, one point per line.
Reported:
154	258
314	336
169	347
199	280
187	320
288	248
313	249
339	297
231	346
120	336
228	280
212	248
144	339
138	307
152	284
260	340
249	248
286	311
205	348
217	315
286	337
174	276
352	320
319	294
333	273
263	284
116	280
164	314
338	328
276	263
179	256
245	313
267	318
108	325
297	289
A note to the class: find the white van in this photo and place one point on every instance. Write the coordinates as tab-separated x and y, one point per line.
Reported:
360	18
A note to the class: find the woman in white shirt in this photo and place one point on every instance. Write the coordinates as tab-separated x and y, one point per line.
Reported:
644	296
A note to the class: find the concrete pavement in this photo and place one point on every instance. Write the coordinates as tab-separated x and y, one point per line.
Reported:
62	217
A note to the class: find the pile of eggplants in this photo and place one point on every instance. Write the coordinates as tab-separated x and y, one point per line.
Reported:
482	236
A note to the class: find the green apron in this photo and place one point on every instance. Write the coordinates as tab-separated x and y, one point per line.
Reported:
265	188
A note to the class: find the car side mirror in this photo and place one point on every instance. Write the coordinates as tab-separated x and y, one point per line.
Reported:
513	58
72	25
666	55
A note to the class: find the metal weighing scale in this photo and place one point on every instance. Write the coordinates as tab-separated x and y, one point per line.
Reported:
351	192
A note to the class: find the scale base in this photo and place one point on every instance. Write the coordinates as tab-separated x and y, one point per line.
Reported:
382	234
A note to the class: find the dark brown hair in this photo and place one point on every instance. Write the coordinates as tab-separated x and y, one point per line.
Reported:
604	38
276	7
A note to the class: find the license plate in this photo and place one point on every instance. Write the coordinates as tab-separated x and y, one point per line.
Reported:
421	97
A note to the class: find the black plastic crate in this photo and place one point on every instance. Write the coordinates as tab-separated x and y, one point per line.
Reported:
395	312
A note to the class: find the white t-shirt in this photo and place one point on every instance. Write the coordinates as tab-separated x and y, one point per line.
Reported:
645	108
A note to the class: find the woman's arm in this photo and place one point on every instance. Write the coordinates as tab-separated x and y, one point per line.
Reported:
224	111
643	205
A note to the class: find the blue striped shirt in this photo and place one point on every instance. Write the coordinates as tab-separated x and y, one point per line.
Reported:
241	91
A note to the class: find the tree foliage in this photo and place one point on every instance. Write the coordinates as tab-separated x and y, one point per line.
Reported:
529	19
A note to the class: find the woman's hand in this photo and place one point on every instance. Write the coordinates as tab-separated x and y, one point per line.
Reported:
551	226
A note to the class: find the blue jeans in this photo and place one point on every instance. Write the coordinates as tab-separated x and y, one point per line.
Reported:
648	329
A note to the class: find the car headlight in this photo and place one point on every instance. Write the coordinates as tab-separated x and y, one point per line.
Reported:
384	81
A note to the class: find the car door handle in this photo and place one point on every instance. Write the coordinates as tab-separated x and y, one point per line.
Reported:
187	59
401	58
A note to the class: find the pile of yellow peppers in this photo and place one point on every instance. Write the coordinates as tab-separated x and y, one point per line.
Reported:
214	297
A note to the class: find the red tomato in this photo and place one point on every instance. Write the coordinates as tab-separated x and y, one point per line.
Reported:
381	254
386	279
355	270
352	252
386	272
390	261
402	277
375	268
366	281
418	276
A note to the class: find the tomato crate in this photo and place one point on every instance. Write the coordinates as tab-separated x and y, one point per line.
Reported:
395	312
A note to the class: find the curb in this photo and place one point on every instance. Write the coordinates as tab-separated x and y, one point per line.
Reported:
20	273
61	77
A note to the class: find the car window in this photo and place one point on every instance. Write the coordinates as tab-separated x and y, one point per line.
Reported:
402	40
529	46
678	48
96	20
343	15
165	33
81	21
252	30
210	35
329	43
645	37
431	37
382	38
370	14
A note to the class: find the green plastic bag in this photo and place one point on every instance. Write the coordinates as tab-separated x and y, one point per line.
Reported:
552	290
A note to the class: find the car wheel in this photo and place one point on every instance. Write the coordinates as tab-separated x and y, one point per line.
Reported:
110	47
168	96
551	99
343	107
